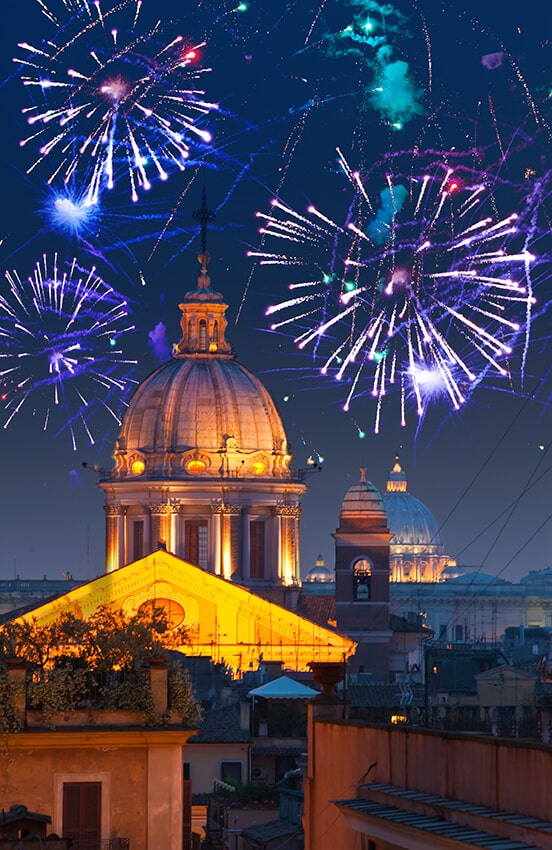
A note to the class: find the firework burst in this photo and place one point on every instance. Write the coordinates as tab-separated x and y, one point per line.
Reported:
423	289
112	97
61	354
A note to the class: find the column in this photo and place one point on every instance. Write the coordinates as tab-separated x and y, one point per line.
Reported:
146	516
112	513
122	532
276	545
159	515
228	551
176	544
216	513
296	545
288	542
245	544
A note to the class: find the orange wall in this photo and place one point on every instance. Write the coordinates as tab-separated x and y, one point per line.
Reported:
509	775
141	775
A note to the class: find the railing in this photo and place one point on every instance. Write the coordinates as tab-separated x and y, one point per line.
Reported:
102	844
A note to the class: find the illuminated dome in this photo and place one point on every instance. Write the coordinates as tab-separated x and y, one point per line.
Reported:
413	526
451	572
319	573
202	414
202	464
362	499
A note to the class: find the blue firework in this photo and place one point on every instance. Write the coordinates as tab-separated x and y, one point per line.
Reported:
61	331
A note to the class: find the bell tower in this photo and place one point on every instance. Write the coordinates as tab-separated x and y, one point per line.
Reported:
362	578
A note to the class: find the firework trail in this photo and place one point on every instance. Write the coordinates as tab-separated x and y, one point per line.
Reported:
61	355
422	289
113	97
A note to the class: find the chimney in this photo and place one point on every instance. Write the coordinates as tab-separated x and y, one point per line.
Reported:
17	673
159	684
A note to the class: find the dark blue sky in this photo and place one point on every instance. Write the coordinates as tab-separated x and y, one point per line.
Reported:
288	101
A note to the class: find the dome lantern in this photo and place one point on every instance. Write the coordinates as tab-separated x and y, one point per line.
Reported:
203	320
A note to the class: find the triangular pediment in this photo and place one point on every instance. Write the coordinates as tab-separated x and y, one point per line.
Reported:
224	620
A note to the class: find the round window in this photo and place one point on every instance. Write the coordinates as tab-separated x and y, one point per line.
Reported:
196	466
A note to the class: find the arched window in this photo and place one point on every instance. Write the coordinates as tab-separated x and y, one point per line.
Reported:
215	331
203	335
362	576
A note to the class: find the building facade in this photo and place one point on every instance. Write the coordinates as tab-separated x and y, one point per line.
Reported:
202	464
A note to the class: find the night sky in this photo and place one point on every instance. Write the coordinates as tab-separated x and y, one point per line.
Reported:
292	88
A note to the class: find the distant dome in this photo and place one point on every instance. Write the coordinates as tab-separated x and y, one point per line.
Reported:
412	524
362	498
319	573
480	578
450	573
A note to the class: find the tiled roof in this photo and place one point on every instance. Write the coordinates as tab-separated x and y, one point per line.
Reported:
221	726
19	812
269	831
385	696
437	826
316	607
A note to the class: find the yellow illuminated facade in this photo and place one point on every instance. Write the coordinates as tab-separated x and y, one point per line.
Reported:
224	621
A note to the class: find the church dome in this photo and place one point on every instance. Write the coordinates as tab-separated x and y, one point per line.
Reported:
362	499
202	403
202	414
451	572
319	573
412	524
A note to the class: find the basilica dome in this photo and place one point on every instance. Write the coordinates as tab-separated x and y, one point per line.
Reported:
412	524
319	574
202	414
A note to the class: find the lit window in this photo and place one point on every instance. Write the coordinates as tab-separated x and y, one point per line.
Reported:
258	467
196	466
203	335
173	611
138	467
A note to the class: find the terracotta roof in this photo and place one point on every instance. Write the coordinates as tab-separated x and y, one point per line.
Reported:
318	608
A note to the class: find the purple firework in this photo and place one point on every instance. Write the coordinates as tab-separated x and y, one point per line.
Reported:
423	288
